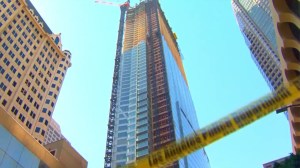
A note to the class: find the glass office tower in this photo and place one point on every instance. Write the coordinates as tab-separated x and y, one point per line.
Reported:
255	21
151	105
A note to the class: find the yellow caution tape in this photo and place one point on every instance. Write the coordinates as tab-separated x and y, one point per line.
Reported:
219	129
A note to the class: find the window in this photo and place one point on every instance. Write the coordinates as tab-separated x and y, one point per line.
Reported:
49	73
37	129
12	55
4	102
33	89
43	88
19	27
28	125
24	34
20	41
6	62
121	156
36	105
122	128
3	16
19	100
122	134
32	114
9	93
8	77
43	132
9	12
44	67
16	47
21	117
47	101
4	46
14	33
31	75
26	48
17	61
14	110
35	67
30	98
14	7
2	86
124	121
40	96
121	149
41	74
19	75
41	119
13	69
9	40
2	70
25	107
44	110
37	82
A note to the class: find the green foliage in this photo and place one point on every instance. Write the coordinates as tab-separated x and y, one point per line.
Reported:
291	162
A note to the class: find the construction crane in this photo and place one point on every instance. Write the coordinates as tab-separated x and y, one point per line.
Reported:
125	4
113	99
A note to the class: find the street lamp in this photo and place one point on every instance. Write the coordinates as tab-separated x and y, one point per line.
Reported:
284	109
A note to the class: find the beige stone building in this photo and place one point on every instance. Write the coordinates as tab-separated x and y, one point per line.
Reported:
53	133
32	66
286	18
20	149
32	69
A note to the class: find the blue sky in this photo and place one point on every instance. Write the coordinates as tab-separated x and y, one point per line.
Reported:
221	74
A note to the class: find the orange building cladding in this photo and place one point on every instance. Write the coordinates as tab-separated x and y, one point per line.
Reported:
286	20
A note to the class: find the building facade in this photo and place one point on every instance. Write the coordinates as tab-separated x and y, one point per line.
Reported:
255	22
286	17
151	105
275	49
53	133
32	66
20	149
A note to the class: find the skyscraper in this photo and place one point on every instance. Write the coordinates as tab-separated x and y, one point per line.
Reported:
255	21
151	105
32	66
278	58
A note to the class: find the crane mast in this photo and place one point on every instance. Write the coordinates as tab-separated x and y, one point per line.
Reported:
113	100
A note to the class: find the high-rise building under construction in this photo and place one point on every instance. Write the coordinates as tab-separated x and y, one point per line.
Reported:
151	105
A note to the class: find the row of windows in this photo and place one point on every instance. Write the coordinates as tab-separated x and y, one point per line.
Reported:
39	130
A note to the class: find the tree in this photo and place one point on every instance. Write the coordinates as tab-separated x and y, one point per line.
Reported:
291	162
